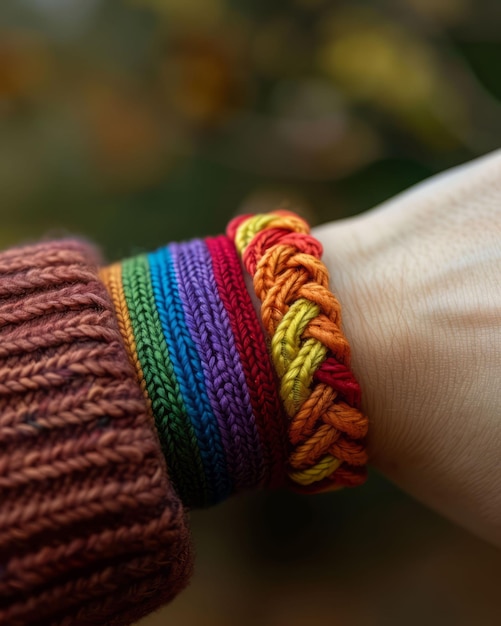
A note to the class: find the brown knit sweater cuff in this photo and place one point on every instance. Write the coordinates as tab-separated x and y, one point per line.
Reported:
91	531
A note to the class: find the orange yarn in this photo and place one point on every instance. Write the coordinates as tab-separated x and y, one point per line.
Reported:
112	279
309	350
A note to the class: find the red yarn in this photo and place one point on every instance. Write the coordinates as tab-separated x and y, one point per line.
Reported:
274	236
232	227
340	378
251	346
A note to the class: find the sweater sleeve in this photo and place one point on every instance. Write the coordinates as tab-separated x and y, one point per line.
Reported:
130	392
91	529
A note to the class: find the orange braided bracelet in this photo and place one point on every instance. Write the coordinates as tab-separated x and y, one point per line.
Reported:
310	353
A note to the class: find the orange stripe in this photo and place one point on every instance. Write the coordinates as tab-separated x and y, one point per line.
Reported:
112	278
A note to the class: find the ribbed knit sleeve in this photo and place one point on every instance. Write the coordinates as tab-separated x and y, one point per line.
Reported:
131	391
91	530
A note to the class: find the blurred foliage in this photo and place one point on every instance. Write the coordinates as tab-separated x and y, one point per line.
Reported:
137	121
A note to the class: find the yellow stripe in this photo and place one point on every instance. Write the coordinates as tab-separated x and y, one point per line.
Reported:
295	384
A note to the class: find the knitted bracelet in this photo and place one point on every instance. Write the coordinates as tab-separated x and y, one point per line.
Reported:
199	352
310	354
127	391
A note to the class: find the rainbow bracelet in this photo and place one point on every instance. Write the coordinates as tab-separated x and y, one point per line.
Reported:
191	332
122	403
310	354
229	417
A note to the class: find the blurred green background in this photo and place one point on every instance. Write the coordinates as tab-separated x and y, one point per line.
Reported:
142	121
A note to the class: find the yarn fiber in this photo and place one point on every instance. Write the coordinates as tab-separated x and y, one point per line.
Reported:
134	391
310	353
200	354
91	529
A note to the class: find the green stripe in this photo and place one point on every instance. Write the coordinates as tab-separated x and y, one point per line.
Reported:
177	437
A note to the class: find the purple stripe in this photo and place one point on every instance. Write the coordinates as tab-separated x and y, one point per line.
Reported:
211	332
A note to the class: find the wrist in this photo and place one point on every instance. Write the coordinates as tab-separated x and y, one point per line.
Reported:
426	366
367	321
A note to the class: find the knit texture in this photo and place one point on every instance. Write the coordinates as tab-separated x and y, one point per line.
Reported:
91	530
200	355
130	391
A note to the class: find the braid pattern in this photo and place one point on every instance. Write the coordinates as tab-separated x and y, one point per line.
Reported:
310	354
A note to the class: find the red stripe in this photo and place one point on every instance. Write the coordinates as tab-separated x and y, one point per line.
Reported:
251	345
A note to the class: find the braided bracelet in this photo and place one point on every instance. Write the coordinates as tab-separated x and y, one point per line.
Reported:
310	354
130	393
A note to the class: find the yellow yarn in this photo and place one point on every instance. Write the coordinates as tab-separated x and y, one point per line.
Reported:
296	381
295	359
251	227
286	342
321	470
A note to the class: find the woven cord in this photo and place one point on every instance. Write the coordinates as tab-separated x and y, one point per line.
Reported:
310	354
224	376
189	375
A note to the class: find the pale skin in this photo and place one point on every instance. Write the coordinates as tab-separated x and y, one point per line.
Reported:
419	281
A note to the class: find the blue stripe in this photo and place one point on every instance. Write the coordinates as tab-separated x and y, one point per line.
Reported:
209	326
189	373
